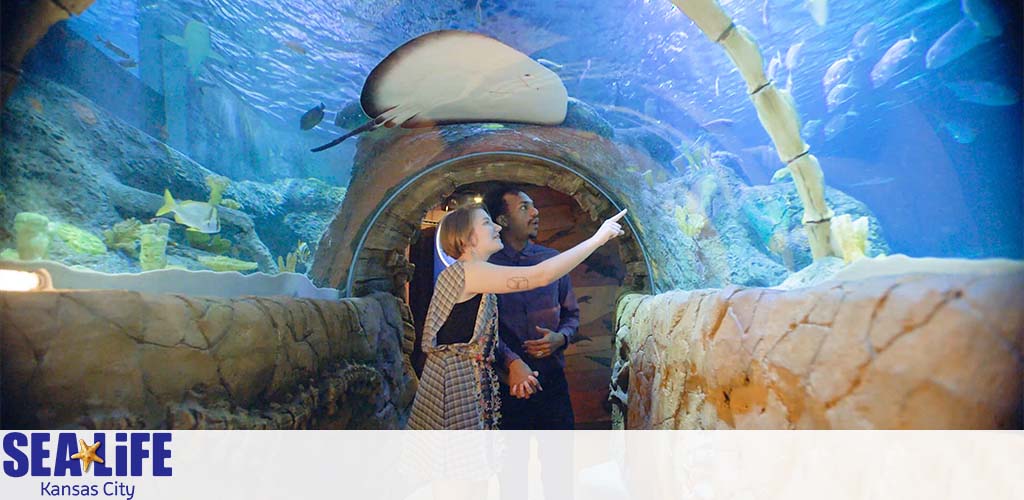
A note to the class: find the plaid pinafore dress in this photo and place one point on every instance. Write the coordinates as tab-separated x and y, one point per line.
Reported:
459	387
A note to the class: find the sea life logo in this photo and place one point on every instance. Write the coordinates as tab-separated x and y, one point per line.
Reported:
67	455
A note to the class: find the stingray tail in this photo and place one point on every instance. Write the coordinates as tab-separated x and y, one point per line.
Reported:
370	125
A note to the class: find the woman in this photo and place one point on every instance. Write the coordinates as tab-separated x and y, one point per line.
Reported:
459	387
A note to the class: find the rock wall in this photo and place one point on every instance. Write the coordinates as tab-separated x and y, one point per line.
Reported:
119	359
892	352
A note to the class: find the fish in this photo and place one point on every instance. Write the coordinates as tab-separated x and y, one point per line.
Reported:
839	123
550	64
128	63
960	132
196	41
198	216
793	55
838	71
818	10
839	95
470	78
773	66
118	51
865	40
36	105
720	123
874	181
312	117
580	337
584	299
717	91
294	46
811	128
781	174
764	12
984	16
984	93
605	361
894	61
955	42
351	116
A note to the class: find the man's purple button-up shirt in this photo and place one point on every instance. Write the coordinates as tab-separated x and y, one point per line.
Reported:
553	307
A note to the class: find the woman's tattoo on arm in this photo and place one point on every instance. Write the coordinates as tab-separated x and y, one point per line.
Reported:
518	283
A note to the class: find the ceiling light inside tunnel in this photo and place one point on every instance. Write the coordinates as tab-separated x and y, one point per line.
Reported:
24	281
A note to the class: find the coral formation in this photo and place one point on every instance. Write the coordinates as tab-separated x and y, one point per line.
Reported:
31	235
222	263
153	243
217	185
690	223
210	243
850	237
124	236
79	240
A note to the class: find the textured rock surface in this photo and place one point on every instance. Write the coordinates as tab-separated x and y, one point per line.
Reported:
118	359
916	351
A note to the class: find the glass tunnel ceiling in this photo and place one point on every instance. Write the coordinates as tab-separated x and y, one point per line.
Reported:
645	59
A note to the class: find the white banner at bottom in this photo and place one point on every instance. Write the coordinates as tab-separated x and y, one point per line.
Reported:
552	465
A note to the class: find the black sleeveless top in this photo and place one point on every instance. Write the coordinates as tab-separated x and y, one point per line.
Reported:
461	322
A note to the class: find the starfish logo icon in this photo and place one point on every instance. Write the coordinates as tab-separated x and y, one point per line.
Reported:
87	454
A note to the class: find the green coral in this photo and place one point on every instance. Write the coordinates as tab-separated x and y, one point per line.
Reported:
300	255
124	236
31	235
222	263
153	243
213	244
850	237
9	254
690	223
80	240
232	204
217	185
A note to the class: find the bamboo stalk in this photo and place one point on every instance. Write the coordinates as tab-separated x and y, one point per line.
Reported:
777	113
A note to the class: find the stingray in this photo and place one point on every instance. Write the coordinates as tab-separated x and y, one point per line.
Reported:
449	76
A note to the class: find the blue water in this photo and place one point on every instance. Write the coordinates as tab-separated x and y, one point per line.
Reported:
942	174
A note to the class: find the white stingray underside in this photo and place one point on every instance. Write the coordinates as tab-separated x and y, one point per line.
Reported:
459	77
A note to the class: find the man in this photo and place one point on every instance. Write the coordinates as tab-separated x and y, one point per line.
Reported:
537	325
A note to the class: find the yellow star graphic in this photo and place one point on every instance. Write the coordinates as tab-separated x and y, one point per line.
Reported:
87	454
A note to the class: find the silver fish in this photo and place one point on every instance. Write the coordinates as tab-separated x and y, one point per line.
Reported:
839	123
865	40
793	55
955	42
874	181
894	61
839	95
984	93
839	71
197	215
774	65
810	129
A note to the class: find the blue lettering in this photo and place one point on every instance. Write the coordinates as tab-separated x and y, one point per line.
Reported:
138	452
101	470
121	452
161	453
39	452
18	466
66	446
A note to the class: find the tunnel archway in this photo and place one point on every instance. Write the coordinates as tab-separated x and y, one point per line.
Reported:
376	257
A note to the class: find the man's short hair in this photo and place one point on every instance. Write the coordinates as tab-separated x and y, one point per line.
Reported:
495	199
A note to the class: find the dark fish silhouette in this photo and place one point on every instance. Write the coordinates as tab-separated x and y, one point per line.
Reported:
312	117
605	361
584	299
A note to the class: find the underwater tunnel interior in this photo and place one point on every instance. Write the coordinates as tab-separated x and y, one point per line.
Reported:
824	222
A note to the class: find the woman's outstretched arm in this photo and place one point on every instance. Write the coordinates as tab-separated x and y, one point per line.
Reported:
484	277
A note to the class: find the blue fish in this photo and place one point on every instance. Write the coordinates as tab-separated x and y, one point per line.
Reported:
984	93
